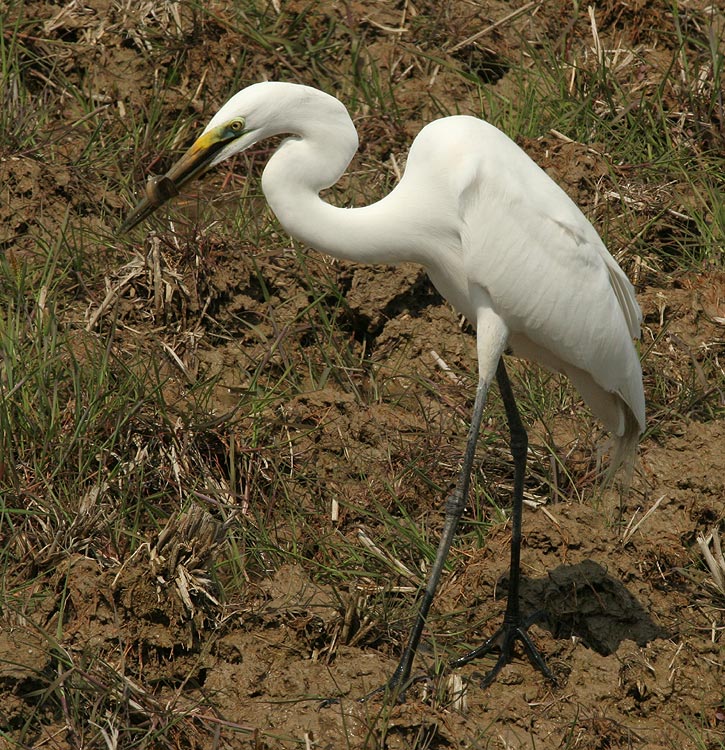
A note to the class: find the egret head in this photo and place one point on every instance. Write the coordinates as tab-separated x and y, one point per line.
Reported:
254	113
221	138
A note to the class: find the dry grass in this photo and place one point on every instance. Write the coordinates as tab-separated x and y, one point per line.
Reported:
170	409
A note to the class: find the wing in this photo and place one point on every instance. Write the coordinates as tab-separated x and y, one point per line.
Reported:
565	300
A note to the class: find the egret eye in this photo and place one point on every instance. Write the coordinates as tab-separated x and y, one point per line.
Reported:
237	126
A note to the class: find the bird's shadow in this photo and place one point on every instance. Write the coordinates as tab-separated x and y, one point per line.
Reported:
583	600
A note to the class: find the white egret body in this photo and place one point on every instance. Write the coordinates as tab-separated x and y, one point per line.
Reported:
501	242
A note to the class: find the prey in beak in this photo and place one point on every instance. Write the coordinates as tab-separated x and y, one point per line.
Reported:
204	153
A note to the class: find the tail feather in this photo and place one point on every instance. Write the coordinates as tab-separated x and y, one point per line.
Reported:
624	423
624	450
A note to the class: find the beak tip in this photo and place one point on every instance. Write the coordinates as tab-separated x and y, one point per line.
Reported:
159	189
132	220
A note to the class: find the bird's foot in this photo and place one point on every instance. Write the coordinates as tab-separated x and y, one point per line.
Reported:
503	640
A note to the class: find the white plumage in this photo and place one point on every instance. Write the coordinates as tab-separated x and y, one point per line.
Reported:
501	241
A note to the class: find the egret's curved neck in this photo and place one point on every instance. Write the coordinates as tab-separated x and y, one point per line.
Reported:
312	161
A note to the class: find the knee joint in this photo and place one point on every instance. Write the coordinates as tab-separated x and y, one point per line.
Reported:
455	503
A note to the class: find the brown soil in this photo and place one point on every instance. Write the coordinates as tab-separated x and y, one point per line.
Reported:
633	630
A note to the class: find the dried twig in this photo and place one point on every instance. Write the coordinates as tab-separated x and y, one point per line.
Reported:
445	367
714	558
630	530
510	17
387	557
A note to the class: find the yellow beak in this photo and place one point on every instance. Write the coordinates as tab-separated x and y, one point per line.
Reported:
192	164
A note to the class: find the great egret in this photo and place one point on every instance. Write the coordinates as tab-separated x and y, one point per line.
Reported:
499	239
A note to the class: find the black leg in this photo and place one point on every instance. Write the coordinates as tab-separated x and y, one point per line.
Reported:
455	505
513	628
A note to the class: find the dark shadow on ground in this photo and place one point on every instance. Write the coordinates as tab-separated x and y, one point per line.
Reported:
583	600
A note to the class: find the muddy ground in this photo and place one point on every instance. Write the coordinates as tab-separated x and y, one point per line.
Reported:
634	631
